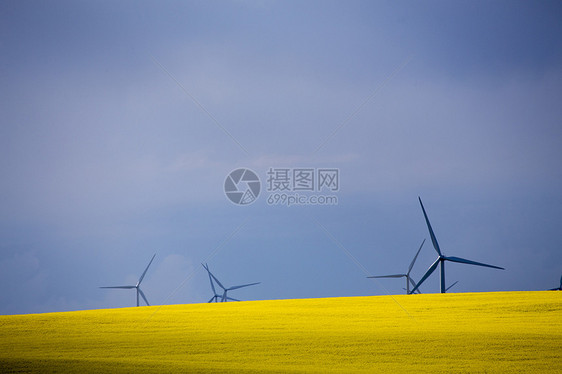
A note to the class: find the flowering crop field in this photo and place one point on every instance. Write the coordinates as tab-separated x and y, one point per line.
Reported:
470	332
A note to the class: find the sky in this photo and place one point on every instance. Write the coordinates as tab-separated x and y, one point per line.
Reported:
120	122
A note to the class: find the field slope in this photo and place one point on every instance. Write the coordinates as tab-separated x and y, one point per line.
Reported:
477	332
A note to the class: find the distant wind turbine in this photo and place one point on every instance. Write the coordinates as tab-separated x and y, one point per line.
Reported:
559	287
442	258
137	286
407	275
224	297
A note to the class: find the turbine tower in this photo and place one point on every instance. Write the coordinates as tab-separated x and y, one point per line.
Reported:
224	297
559	287
407	275
137	286
442	258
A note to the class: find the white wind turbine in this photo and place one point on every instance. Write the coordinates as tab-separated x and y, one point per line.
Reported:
407	275
137	286
224	297
442	258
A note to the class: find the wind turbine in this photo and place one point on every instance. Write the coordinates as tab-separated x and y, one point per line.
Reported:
137	286
224	297
407	275
559	287
442	258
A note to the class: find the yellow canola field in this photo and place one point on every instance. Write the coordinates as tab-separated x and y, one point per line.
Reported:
476	332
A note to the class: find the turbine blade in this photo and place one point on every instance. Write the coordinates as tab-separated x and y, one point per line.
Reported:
206	267
427	274
224	296
230	298
451	286
244	285
413	284
388	276
415	257
212	284
211	300
143	297
470	262
125	287
145	270
433	238
216	280
560	283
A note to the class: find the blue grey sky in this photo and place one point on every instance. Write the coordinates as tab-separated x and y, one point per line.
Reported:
106	159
